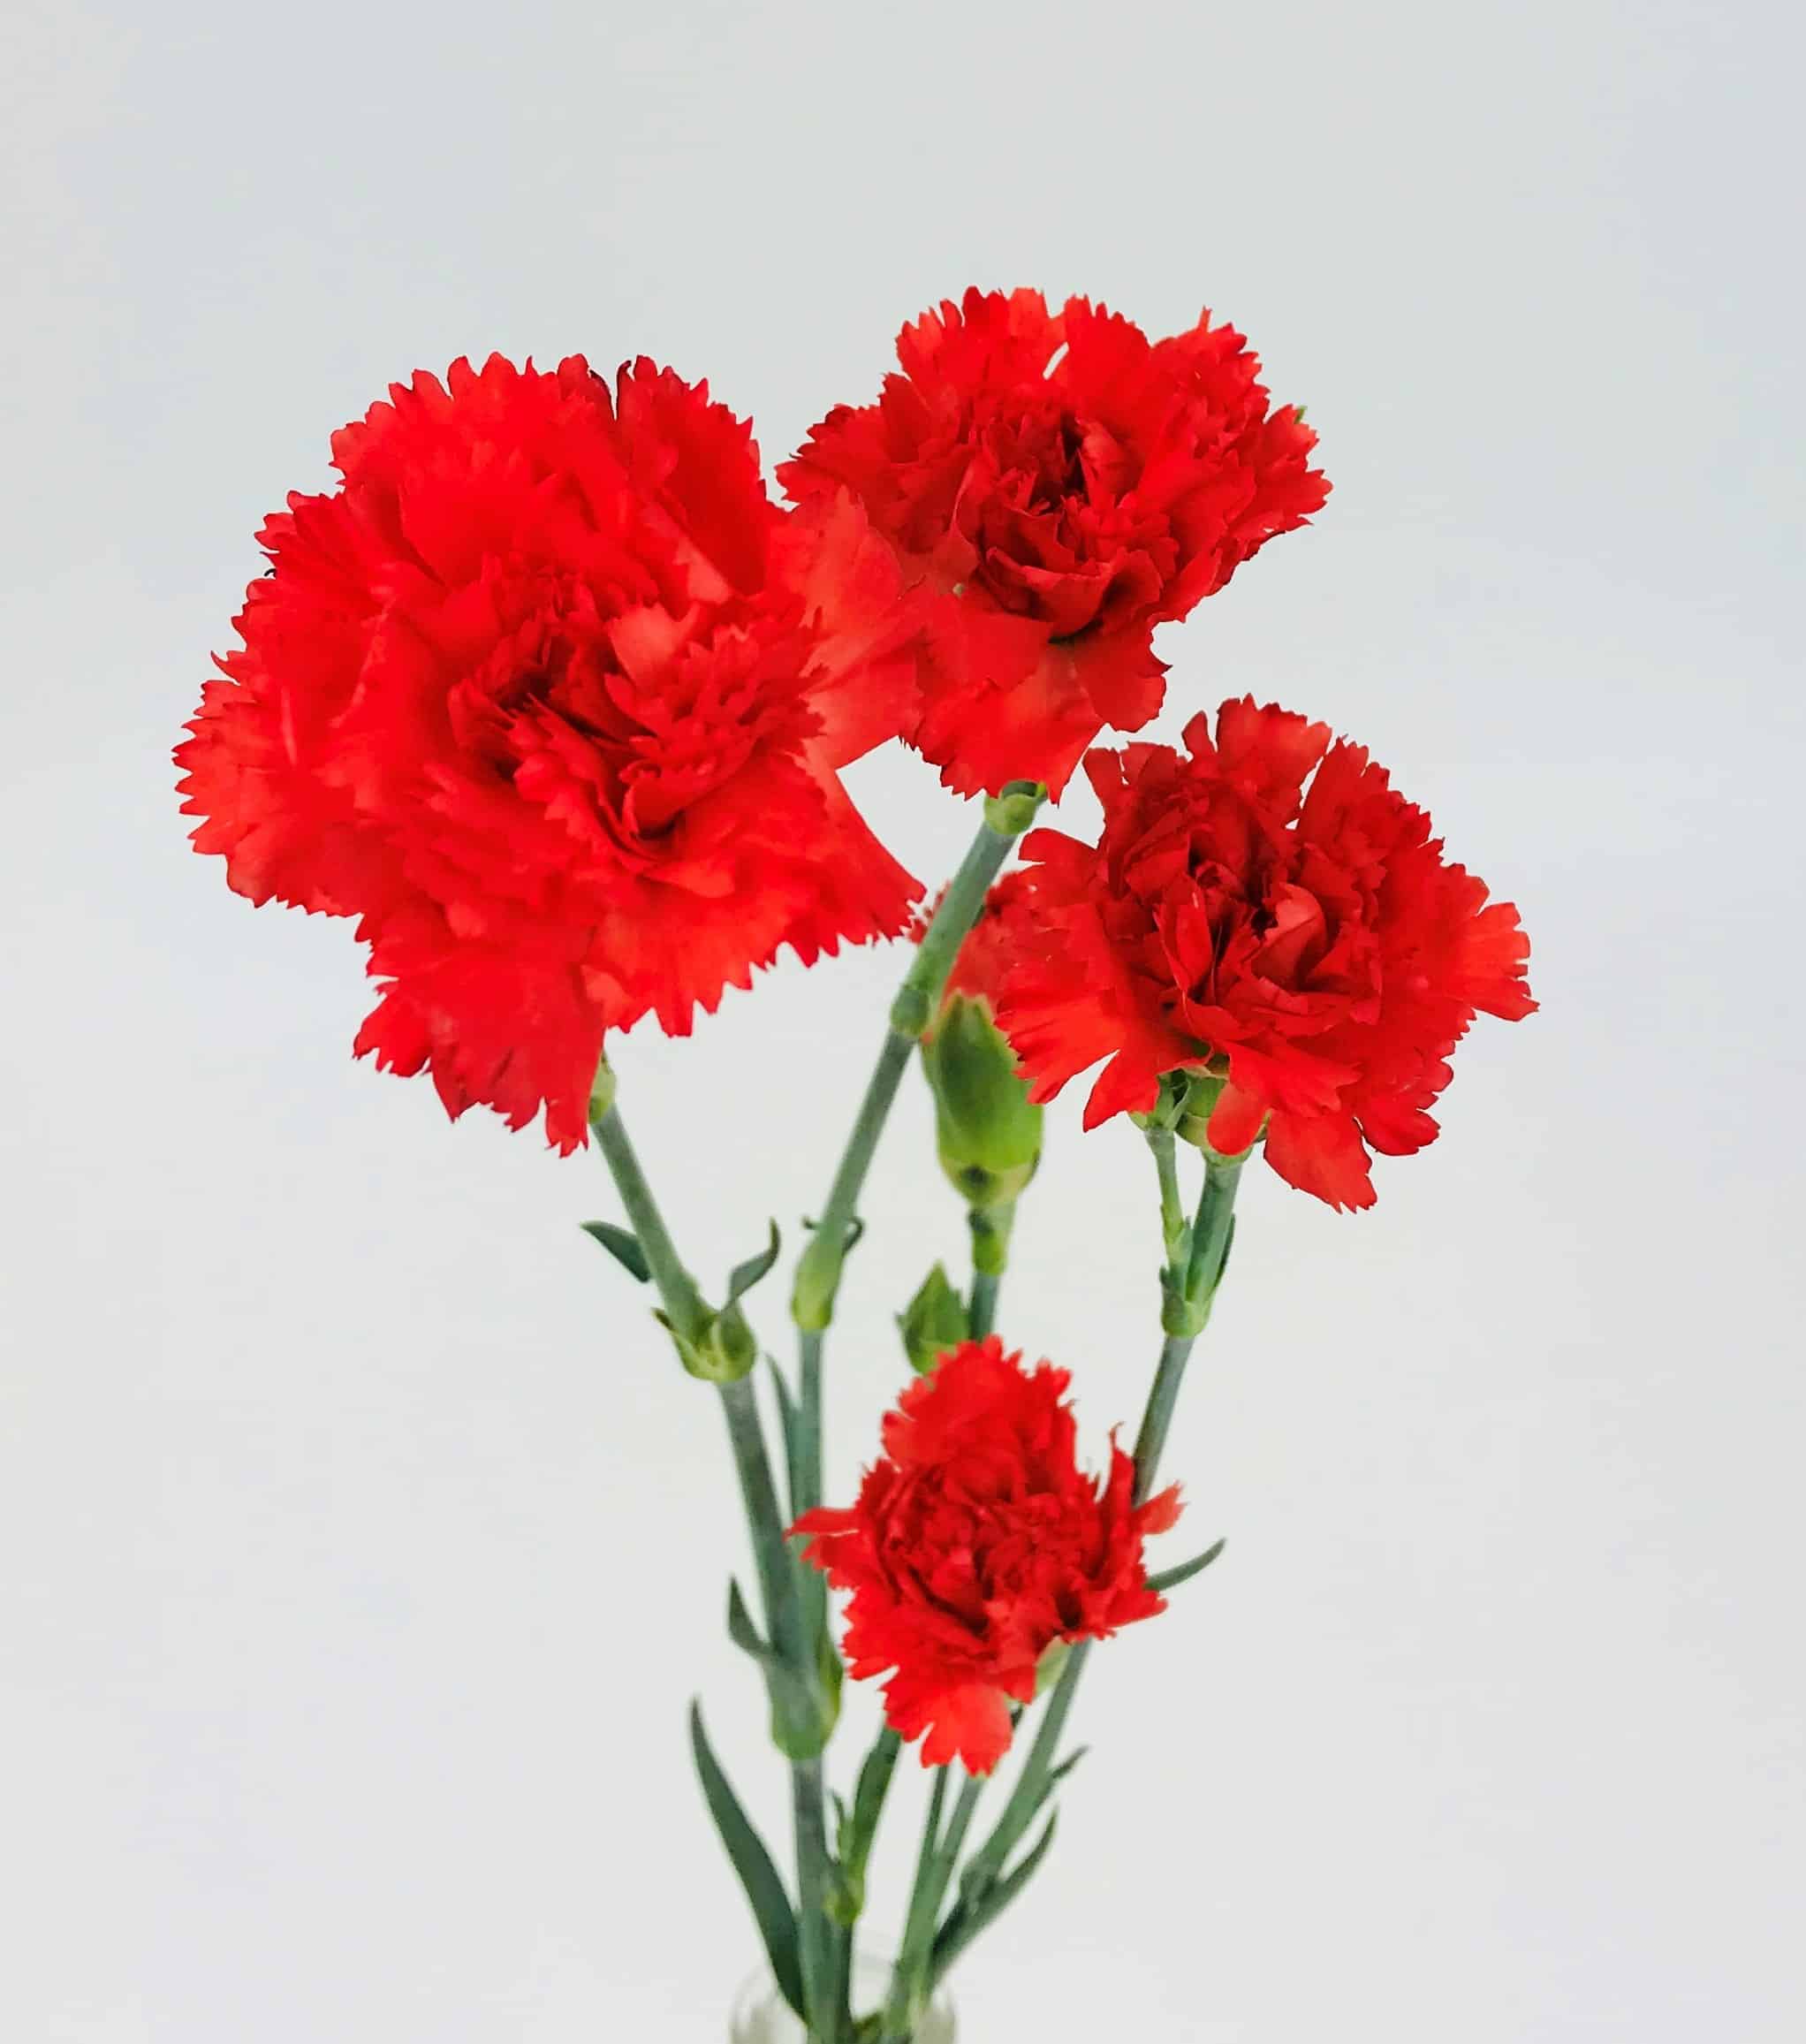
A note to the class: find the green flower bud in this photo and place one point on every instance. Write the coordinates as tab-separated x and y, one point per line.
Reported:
1048	1668
987	1129
933	1322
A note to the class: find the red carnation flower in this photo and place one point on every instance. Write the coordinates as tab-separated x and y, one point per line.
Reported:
1055	485
975	1545
548	694
1311	948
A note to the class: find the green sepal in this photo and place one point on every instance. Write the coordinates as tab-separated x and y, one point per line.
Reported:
772	1906
1049	1667
744	1276
1196	1103
623	1246
934	1321
1181	1315
602	1091
1011	813
1171	1578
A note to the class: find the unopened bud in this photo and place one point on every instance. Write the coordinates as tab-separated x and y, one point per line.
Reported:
933	1322
986	1127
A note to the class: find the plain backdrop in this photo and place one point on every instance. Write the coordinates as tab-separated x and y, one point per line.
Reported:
361	1543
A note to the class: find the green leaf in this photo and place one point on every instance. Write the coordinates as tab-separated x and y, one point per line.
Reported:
787	1420
1223	1260
1171	1578
743	1277
758	1876
744	1634
976	1914
623	1246
979	1876
874	1784
802	1716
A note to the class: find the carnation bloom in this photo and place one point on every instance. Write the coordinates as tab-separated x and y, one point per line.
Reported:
1055	485
1309	948
975	1545
549	694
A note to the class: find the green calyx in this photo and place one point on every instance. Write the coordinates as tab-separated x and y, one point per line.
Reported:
721	1350
1051	1667
987	1129
602	1091
1011	813
1187	1100
933	1322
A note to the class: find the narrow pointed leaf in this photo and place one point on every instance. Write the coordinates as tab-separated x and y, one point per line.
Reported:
758	1876
623	1246
740	1629
787	1420
874	1785
973	1916
1171	1578
744	1276
800	1718
980	1876
1223	1260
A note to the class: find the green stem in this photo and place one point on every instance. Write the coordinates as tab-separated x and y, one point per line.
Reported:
1160	1141
981	1315
818	1272
918	1929
806	1474
991	1227
751	1466
808	1806
1157	1416
1210	1235
676	1286
689	1313
1210	1245
1025	1799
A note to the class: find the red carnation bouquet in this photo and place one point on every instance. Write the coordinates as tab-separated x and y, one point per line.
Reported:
552	696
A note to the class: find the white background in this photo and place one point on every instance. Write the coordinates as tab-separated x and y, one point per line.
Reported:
360	1544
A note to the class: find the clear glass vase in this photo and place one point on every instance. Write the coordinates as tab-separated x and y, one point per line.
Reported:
760	2016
